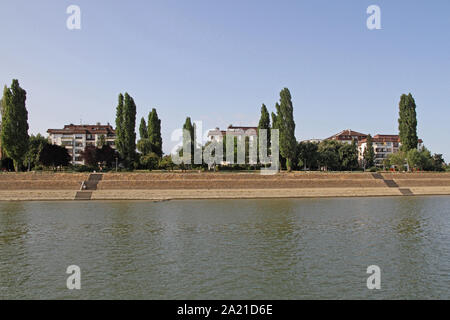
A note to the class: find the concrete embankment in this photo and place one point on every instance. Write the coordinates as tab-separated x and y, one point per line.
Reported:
177	185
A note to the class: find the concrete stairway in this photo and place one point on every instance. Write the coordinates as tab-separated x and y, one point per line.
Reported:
89	186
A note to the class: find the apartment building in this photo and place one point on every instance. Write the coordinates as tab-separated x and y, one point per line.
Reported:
75	138
217	134
383	146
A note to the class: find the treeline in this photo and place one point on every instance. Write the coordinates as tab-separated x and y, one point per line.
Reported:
23	152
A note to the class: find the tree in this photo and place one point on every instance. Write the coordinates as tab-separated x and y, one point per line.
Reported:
106	155
143	133
188	137
89	156
14	131
144	146
35	145
414	159
154	132
348	156
166	163
101	141
264	123
54	156
119	127
264	120
1	116
398	160
150	161
369	153
126	128
407	123
93	156
438	162
308	155
129	111
286	125
329	154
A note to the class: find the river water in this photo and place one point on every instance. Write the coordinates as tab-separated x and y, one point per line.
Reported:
227	249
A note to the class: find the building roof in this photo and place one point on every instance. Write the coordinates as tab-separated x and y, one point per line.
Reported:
386	138
84	129
231	129
347	134
242	128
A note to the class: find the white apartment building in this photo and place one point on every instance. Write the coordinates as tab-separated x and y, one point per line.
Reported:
75	138
217	134
383	146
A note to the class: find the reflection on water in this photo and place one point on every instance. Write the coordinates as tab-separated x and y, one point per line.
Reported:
227	249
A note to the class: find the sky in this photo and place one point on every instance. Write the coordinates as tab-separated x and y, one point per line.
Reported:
219	61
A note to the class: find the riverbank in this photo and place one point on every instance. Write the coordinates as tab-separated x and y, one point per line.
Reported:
194	185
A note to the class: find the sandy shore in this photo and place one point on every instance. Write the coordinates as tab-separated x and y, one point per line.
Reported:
162	195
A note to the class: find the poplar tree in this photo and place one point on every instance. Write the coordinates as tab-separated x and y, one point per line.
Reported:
189	128
264	120
286	124
119	127
129	127
143	132
369	153
14	129
154	132
126	128
407	123
264	123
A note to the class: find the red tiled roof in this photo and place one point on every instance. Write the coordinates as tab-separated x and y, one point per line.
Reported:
242	128
386	138
343	135
83	129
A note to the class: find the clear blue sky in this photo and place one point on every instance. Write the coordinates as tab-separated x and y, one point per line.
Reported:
218	61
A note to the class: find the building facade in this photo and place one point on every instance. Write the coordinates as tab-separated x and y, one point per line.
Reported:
217	134
233	131
383	146
75	138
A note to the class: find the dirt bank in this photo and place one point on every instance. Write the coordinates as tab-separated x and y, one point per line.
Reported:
193	185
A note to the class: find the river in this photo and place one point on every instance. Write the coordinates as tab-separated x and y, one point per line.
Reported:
227	249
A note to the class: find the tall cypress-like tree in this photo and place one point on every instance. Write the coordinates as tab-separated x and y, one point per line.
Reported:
126	128
14	130
264	123
191	130
264	120
143	132
407	123
119	127
369	153
286	124
1	116
154	132
129	126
